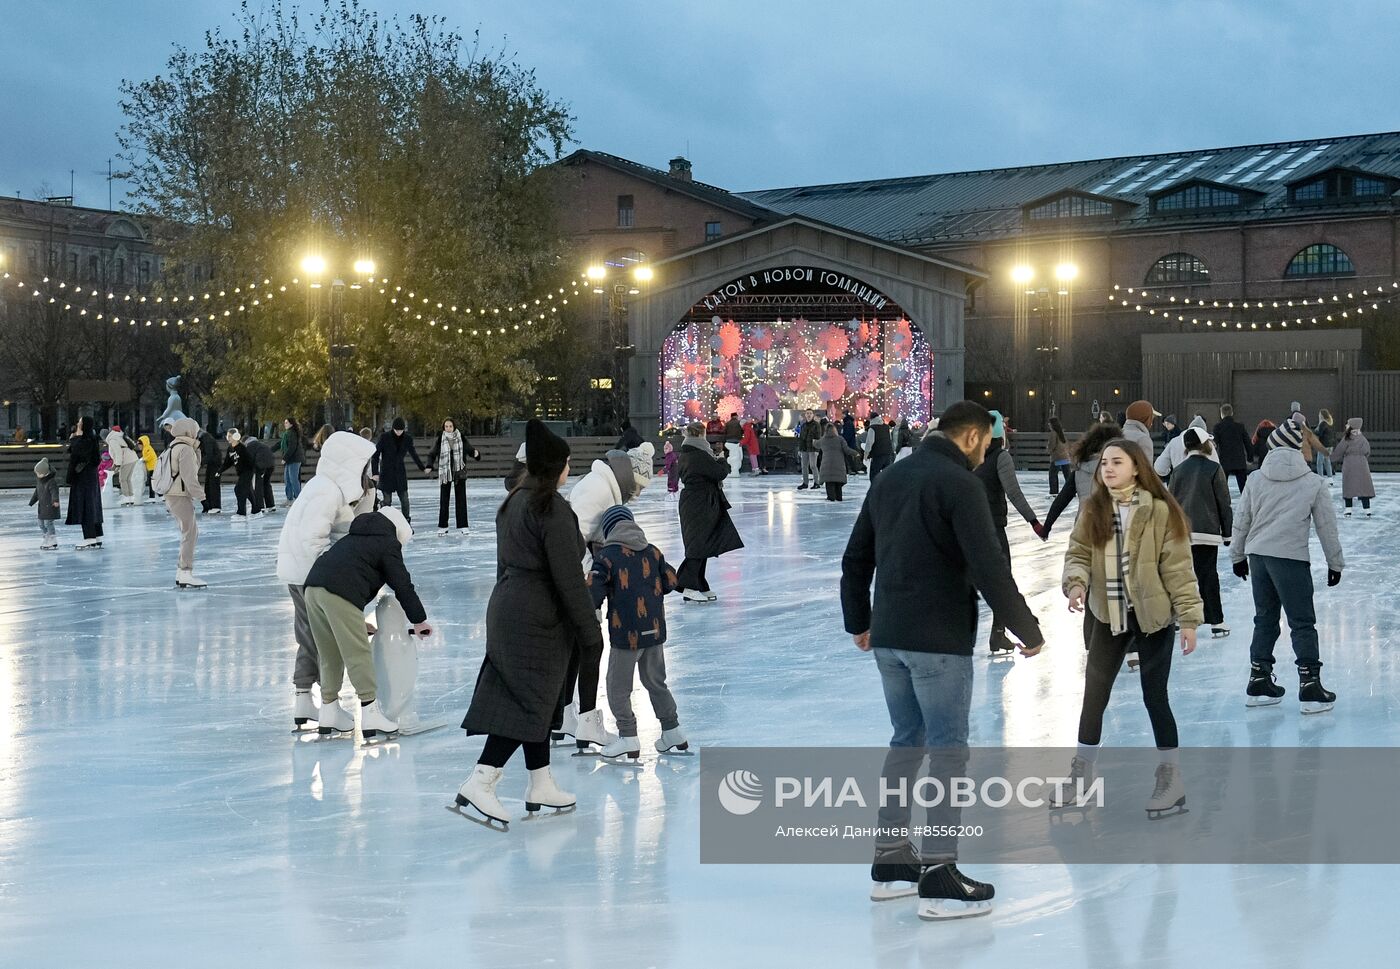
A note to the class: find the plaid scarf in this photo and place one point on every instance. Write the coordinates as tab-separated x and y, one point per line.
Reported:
1115	565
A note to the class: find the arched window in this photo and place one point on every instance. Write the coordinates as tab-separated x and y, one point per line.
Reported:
1178	269
1320	259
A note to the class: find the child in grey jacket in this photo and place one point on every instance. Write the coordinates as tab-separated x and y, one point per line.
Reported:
46	497
1270	547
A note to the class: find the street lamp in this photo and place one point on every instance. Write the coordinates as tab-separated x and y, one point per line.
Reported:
339	350
1022	274
364	267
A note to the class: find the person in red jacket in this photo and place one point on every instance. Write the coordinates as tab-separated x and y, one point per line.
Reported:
751	447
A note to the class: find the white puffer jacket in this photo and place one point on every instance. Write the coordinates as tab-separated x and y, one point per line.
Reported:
326	506
118	449
596	492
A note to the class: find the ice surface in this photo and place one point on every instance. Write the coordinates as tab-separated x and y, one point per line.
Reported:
155	810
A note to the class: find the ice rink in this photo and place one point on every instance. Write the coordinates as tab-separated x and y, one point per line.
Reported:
155	809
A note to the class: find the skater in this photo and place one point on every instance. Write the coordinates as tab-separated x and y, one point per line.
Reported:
148	466
538	548
293	453
1137	426
614	480
750	442
317	519
633	576
389	467
124	459
447	460
1058	447
1261	441
518	470
243	466
1175	451
671	465
1270	548
733	444
213	463
1170	430
1326	437
904	440
879	446
264	463
925	536
1085	454
998	475
1198	485
1353	453
180	492
1233	446
346	578
84	493
1129	559
808	437
45	497
322	435
630	438
707	531
835	459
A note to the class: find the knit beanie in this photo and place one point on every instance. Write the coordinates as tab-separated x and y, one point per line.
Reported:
998	423
1286	435
402	529
1354	423
546	452
1141	411
641	457
1170	419
1298	418
615	514
400	424
42	468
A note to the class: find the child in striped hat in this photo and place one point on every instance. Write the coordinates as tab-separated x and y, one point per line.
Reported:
634	577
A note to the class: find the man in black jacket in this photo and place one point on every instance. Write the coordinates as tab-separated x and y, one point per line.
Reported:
879	446
1233	445
807	438
213	462
387	465
925	535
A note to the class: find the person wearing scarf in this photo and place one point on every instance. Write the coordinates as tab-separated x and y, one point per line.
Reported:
447	461
707	531
1129	559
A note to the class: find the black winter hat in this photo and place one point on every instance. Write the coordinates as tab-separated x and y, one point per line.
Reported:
399	424
546	453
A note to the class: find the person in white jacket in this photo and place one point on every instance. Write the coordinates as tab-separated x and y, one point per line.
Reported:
1175	451
319	517
615	480
125	460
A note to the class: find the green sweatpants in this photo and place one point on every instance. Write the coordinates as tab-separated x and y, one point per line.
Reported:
338	627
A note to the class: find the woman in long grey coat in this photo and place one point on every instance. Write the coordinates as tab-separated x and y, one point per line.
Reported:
539	606
706	528
1353	453
832	471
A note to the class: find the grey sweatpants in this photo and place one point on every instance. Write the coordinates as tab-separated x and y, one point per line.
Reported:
182	510
308	669
808	460
650	661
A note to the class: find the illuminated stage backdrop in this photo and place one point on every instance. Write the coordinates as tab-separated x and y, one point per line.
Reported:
720	366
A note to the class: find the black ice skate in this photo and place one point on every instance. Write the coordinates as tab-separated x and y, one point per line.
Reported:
1001	645
894	873
1312	698
1262	691
946	893
1219	631
1168	794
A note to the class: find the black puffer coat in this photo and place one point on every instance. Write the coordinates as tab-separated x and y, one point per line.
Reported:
84	493
706	528
539	608
388	461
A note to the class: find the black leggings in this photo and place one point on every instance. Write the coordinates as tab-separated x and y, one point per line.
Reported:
692	575
1203	558
1068	493
1055	471
1240	478
584	663
500	749
1106	652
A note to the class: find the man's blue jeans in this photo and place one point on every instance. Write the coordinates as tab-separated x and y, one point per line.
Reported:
928	696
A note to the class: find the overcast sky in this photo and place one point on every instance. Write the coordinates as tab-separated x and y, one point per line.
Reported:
769	93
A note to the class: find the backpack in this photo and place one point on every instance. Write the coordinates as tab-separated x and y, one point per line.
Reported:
165	474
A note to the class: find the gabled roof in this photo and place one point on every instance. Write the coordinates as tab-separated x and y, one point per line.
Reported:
1110	199
932	209
710	194
1242	190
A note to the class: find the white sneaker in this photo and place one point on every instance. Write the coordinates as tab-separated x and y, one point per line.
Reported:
592	730
373	722
334	718
694	595
479	792
304	708
629	746
185	579
543	792
671	740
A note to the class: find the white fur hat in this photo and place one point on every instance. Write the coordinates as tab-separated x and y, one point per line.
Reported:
402	529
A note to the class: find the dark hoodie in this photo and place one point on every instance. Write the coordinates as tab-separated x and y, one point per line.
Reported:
634	577
45	492
364	561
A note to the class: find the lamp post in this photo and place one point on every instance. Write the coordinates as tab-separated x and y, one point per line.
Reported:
619	294
1052	304
339	348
